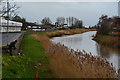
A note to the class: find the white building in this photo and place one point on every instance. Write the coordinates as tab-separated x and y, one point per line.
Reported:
13	26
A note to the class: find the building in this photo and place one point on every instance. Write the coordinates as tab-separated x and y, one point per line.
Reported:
11	27
38	27
65	25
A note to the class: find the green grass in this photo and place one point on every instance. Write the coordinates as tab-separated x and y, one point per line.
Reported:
24	66
100	37
5	47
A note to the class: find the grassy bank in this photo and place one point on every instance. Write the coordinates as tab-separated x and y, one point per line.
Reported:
34	60
106	40
72	64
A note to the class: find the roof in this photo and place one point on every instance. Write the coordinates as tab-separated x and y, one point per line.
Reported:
46	26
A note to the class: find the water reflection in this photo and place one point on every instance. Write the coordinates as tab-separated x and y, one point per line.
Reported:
84	42
110	54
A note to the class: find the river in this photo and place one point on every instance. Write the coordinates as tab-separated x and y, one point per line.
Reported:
84	42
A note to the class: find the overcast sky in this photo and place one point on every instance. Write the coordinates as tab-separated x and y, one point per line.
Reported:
88	12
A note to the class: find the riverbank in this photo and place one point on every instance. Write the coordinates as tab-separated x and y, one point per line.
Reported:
59	33
67	63
106	40
33	60
53	60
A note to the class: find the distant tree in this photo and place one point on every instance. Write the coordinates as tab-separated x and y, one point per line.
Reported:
106	24
78	24
46	21
17	18
116	21
56	24
67	20
24	24
74	22
61	21
12	9
22	20
103	25
70	21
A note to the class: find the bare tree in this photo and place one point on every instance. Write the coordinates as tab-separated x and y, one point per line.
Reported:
78	24
61	21
46	21
74	22
67	20
11	8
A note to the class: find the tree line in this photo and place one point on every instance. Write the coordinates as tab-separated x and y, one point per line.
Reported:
60	21
107	24
10	12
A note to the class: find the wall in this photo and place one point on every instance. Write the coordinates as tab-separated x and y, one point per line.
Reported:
10	29
19	44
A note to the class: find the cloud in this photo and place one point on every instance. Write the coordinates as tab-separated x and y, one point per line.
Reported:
64	0
89	12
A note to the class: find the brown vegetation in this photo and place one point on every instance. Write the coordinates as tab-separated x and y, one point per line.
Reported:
67	63
112	41
67	32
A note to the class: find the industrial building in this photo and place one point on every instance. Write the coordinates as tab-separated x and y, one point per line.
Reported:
11	27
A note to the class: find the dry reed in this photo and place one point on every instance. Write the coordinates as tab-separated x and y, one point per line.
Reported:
67	32
110	41
67	63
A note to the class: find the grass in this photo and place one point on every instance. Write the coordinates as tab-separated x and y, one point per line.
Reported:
112	41
34	60
101	37
5	47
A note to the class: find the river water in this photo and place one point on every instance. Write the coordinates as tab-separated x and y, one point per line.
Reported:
84	42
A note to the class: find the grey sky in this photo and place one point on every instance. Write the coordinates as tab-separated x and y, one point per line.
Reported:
88	12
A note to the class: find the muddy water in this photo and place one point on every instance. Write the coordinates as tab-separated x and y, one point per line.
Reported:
84	42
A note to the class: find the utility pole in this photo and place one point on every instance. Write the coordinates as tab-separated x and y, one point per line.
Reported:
119	8
7	20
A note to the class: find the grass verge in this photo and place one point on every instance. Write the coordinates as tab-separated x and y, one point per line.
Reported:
34	60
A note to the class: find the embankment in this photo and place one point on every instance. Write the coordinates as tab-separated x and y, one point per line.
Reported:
61	63
33	60
110	41
67	63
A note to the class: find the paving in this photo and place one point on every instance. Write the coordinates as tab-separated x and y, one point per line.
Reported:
9	37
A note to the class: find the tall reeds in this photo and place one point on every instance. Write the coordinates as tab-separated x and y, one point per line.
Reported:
67	63
67	32
112	41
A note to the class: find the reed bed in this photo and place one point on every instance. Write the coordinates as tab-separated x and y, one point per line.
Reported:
67	63
67	32
112	41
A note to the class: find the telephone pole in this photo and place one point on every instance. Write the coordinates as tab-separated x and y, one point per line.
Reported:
7	19
119	8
